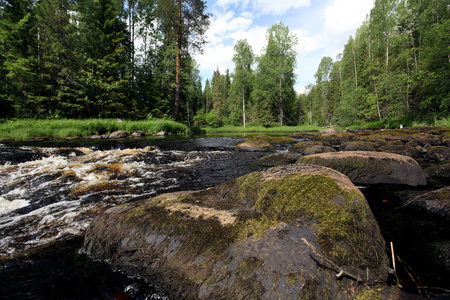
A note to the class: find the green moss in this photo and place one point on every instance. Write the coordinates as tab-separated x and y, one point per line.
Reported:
249	265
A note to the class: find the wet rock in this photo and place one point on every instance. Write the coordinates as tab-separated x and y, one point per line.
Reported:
434	203
366	167
284	232
318	149
358	146
255	145
138	133
120	134
400	149
278	159
69	152
161	133
426	138
335	138
302	146
438	171
446	139
438	153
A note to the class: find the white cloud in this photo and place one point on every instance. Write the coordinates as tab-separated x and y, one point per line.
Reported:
264	7
345	16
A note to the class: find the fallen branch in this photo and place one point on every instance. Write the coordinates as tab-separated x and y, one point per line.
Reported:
426	194
340	272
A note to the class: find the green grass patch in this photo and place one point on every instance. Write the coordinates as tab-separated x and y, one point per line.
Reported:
284	129
26	128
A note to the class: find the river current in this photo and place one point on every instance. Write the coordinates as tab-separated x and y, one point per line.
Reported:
49	193
51	190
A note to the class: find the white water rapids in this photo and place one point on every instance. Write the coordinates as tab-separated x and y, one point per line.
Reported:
45	199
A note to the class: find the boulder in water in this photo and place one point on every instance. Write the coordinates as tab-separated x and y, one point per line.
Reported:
367	167
291	232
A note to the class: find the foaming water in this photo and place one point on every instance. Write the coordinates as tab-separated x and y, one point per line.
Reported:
44	199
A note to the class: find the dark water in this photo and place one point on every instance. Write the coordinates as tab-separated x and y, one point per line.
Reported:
50	190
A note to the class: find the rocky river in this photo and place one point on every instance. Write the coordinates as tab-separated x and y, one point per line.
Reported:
50	191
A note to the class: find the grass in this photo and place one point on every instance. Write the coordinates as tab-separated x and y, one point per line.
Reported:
26	128
225	129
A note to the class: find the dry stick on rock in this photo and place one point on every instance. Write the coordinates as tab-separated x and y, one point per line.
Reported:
426	194
335	267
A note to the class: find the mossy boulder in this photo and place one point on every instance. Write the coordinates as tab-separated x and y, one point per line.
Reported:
438	153
426	138
281	233
318	149
400	149
366	167
278	159
358	146
438	171
335	138
302	146
256	146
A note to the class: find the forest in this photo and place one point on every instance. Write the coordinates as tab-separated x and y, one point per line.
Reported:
133	59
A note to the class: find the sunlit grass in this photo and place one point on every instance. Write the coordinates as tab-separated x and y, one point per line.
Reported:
287	129
25	129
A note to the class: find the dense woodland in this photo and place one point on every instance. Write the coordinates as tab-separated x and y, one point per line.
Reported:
133	59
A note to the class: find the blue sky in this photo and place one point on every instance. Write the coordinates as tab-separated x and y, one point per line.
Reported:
321	26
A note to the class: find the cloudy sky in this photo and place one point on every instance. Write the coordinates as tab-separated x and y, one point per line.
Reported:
321	26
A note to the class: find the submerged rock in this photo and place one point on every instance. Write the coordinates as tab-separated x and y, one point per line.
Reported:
282	233
366	167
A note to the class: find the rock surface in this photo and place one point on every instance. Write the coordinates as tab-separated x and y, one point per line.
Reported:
366	167
281	233
255	145
278	159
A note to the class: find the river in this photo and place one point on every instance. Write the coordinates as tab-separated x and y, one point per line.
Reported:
51	190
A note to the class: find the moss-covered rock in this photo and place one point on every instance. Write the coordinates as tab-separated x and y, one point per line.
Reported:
438	153
278	159
400	149
318	149
302	146
426	138
434	203
358	146
365	167
255	145
281	233
446	139
438	171
335	138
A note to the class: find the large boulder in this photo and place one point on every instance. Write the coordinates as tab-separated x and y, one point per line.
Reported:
438	153
290	232
366	167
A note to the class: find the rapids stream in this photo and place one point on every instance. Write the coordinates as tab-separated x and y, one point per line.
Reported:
50	191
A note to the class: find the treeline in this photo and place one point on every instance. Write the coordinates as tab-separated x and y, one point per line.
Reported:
397	67
260	91
103	58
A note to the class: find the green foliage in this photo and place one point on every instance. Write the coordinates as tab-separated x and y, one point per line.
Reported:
28	128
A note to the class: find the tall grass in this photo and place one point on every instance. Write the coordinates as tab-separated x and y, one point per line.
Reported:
25	129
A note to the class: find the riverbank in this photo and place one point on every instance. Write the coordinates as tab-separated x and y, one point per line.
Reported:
26	129
21	130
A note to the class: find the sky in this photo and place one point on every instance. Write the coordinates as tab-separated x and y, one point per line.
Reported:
322	27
